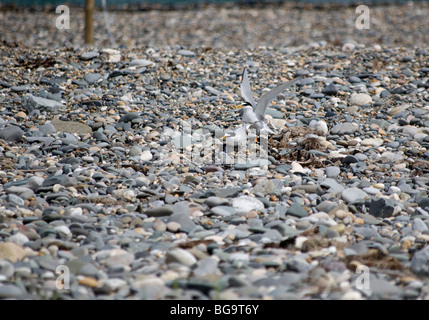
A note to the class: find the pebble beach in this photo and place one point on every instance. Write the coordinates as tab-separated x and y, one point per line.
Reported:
94	177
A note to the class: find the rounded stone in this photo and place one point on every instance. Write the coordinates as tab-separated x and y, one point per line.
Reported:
332	172
92	77
11	133
352	195
180	256
359	99
10	291
6	268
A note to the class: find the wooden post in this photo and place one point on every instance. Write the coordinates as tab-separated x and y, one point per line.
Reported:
89	21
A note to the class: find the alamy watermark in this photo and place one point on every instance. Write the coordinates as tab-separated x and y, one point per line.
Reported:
63	280
362	282
63	21
201	147
363	21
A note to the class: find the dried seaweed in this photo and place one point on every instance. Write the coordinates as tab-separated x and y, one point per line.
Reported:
37	62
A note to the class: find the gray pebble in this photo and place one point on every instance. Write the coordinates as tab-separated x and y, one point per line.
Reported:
216	201
180	256
381	207
159	212
206	267
92	77
89	55
11	133
352	195
297	210
30	103
186	53
419	225
223	211
10	291
332	172
344	128
6	268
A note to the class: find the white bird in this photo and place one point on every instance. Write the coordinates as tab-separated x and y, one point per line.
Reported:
254	113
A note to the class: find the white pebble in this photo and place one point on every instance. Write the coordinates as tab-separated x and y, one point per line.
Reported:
352	295
64	230
146	155
394	189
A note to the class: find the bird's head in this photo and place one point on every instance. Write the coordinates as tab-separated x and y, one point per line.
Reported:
242	107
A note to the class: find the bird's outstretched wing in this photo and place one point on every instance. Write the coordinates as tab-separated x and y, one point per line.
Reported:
263	101
246	93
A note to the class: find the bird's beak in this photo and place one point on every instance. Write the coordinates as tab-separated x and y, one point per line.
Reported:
237	107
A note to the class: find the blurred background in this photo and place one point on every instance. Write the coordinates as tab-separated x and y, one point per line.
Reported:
217	23
188	2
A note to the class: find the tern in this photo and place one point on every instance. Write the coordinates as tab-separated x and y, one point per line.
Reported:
254	113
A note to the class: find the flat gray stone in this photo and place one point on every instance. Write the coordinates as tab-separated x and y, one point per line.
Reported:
223	211
344	128
326	206
297	210
22	192
216	201
141	63
419	225
206	267
272	235
186	53
225	192
88	270
15	199
265	187
332	186
383	288
89	55
35	182
286	230
182	217
368	219
367	233
352	195
20	88
92	77
47	128
420	262
10	291
30	103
